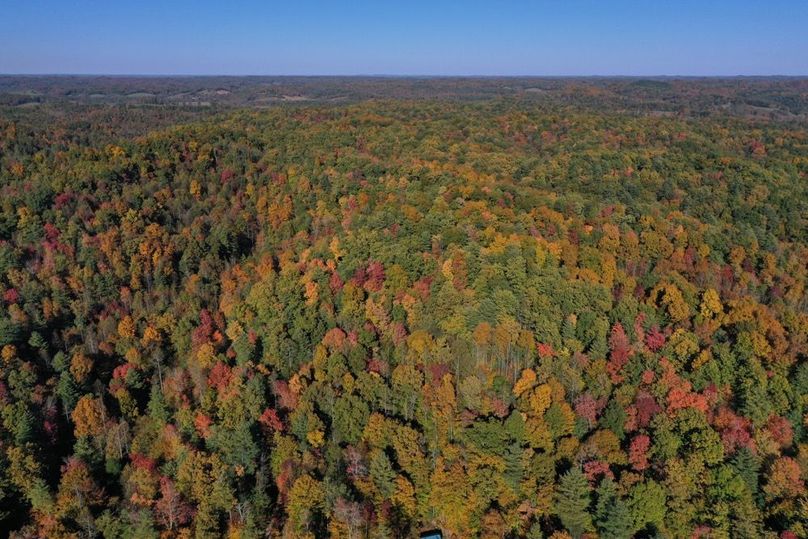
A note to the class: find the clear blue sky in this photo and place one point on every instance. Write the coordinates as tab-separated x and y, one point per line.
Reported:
463	37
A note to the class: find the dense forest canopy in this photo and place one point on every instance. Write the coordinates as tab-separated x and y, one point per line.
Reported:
541	314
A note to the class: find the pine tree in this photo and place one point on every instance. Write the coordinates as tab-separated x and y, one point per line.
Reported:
748	467
612	517
572	502
382	474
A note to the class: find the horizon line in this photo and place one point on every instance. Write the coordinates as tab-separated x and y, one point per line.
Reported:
408	75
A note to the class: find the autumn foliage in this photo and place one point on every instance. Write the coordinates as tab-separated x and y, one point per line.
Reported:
503	318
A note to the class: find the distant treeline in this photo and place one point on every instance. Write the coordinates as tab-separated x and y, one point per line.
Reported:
776	98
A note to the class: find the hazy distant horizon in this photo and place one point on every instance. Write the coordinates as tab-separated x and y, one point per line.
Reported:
401	76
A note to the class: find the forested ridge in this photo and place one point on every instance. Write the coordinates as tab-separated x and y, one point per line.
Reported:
499	318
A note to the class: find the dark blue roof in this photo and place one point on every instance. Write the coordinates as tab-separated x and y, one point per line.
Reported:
434	534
